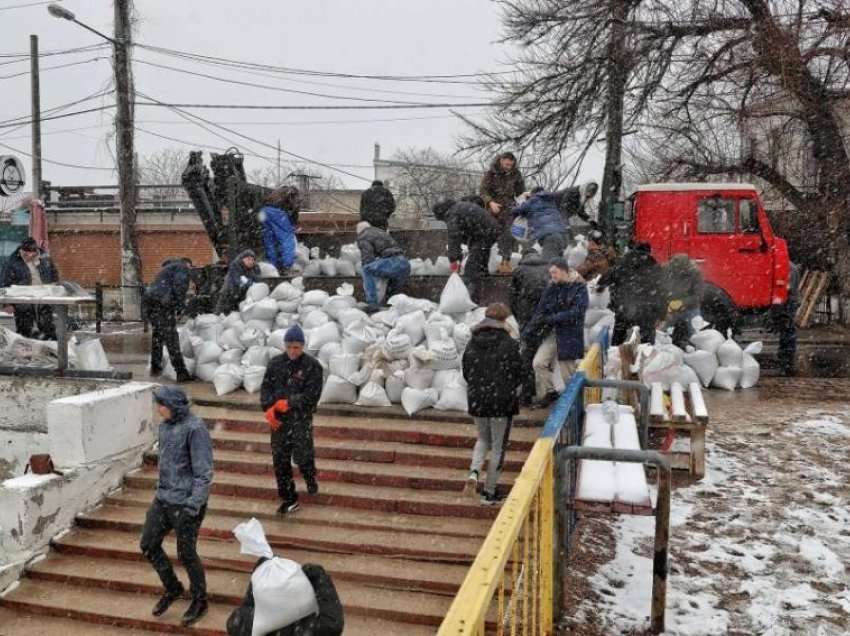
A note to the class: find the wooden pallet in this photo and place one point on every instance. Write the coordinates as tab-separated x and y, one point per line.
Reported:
812	287
685	411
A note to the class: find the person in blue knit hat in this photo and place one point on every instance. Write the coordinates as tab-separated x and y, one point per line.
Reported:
289	396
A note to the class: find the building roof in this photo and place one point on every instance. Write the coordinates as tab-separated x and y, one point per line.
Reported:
691	187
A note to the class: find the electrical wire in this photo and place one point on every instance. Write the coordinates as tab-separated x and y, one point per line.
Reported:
311	122
24	6
53	68
78	49
61	107
56	163
317	106
62	116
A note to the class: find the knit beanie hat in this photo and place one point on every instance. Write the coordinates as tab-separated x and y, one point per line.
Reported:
294	334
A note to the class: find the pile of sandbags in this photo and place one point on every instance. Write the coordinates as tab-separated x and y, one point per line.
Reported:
598	315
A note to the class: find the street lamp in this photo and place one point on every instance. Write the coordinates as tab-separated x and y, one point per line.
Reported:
130	263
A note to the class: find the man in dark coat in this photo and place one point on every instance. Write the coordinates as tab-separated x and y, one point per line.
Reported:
545	222
377	205
599	259
683	284
241	274
381	258
330	621
557	329
637	295
492	368
164	301
500	187
29	265
185	473
784	323
289	395
471	224
528	282
573	202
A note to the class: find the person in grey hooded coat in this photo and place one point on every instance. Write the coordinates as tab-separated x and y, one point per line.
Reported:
185	473
241	274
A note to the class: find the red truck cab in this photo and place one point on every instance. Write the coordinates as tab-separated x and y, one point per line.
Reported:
724	229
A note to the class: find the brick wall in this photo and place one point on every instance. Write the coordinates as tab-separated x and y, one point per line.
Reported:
89	254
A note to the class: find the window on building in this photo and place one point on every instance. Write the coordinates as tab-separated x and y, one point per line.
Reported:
749	217
716	215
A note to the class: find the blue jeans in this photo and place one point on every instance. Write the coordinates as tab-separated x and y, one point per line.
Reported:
395	269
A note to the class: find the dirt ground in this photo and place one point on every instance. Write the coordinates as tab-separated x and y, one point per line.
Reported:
759	546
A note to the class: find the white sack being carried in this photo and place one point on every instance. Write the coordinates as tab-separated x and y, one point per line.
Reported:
256	356
231	356
414	400
454	299
267	270
730	354
394	386
272	581
206	372
336	304
227	378
257	292
704	364
315	319
92	357
412	324
453	398
344	365
286	292
708	340
315	297
577	255
750	369
263	309
727	378
253	378
338	391
345	268
207	352
320	336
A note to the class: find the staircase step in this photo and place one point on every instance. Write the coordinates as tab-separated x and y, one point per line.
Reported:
284	534
366	450
350	472
401	500
240	508
228	588
376	571
123	609
14	623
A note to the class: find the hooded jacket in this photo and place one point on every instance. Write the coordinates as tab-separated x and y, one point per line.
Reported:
17	272
683	281
492	368
374	243
544	217
239	278
279	236
572	203
467	223
171	284
377	204
185	454
297	381
636	287
528	281
561	309
500	186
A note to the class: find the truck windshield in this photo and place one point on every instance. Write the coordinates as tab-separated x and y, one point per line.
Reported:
716	215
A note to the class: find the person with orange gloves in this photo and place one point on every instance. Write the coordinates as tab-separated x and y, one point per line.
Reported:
289	396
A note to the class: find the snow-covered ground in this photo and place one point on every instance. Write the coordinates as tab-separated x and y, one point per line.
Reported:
760	546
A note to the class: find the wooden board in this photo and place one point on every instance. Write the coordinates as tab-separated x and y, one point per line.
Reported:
811	296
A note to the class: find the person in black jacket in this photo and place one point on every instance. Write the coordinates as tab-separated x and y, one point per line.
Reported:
377	205
500	186
683	284
241	274
289	395
164	301
492	368
469	223
28	265
528	282
330	621
381	257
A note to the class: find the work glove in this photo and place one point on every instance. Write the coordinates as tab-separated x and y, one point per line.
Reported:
281	406
674	306
271	418
454	266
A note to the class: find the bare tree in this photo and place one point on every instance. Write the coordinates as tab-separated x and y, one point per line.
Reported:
162	168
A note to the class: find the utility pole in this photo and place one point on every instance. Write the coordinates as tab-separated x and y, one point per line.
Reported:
36	117
612	177
124	96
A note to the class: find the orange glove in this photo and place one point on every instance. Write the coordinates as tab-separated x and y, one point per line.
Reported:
281	406
271	418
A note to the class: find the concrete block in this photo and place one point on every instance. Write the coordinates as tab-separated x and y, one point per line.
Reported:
98	425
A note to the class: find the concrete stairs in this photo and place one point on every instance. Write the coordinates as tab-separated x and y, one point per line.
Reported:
390	524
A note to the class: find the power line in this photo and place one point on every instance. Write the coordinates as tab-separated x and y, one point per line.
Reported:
312	122
23	6
57	163
79	49
54	109
62	116
318	106
53	68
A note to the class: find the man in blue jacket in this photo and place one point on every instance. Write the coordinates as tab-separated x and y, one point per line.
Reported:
545	222
557	329
279	217
164	300
185	473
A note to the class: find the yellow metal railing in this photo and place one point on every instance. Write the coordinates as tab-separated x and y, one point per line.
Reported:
510	587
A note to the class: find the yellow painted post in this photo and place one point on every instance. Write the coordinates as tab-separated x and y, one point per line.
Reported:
547	545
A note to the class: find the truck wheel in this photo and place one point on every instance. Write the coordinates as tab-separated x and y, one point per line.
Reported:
720	311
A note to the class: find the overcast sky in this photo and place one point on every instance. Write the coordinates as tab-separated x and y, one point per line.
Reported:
373	37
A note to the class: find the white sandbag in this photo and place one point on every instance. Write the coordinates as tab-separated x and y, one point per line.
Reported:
231	320
727	378
251	337
302	254
275	339
328	332
577	256
444	355
229	338
750	368
394	386
231	356
428	269
417	267
227	378
659	366
397	345
373	394
442	267
262	325
403	304
185	336
387	318
315	297
361	334
278	579
475	316
688	376
287	292
453	398
708	340
438	326
337	304
444	378
312	269
414	400
267	270
412	324
344	365
328	266
263	309
289	306
207	352
418	377
350	315
345	268
593	316
169	373
315	319
256	356
730	354
350	253
704	364
338	390
208	327
285	320
257	292
674	350
253	378
206	372
92	357
454	299
462	335
362	376
315	253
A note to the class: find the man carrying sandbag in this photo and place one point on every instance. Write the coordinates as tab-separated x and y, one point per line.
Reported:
468	222
164	301
289	395
185	472
381	258
241	274
545	222
528	282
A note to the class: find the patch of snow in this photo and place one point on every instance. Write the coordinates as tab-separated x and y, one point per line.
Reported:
27	481
828	425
